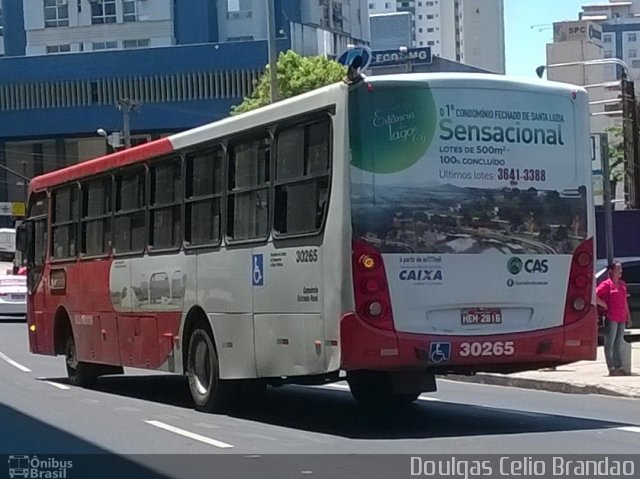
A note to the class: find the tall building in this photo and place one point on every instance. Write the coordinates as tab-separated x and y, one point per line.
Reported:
467	31
38	27
66	64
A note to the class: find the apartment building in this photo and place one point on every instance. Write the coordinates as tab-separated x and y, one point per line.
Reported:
466	31
66	64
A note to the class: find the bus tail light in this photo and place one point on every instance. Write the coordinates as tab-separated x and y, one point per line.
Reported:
371	292
580	283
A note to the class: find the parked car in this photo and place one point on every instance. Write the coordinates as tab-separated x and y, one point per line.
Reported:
13	297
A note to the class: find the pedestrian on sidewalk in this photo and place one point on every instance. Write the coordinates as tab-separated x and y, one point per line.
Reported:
612	297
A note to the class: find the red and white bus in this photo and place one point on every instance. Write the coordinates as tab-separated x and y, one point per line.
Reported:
395	229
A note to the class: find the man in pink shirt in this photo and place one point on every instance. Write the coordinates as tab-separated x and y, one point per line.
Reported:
612	297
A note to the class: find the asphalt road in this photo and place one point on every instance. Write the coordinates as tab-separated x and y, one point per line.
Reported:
145	422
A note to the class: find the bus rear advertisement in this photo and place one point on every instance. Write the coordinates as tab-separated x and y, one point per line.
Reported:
395	229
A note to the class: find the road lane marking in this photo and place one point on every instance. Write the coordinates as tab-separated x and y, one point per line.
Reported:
56	385
15	364
190	435
629	429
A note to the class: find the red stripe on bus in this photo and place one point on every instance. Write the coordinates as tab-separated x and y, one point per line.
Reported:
103	163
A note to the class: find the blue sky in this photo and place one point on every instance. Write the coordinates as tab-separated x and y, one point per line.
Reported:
526	46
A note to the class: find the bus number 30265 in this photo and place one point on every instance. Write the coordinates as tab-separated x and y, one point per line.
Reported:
487	348
306	256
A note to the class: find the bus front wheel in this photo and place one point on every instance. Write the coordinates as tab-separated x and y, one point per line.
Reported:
209	392
80	373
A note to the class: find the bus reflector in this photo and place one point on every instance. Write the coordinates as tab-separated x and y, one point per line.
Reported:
371	292
372	285
375	309
579	303
581	281
584	259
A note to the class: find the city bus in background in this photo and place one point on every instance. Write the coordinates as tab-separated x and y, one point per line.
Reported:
395	229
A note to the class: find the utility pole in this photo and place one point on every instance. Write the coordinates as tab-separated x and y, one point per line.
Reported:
127	107
273	51
606	197
630	130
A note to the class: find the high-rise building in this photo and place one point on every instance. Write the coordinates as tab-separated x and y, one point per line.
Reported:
38	27
67	64
467	31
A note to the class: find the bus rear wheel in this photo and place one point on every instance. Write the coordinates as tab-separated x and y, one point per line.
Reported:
375	390
209	392
80	373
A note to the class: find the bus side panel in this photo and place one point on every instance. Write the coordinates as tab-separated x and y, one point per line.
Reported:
234	341
336	274
152	289
224	292
91	313
288	344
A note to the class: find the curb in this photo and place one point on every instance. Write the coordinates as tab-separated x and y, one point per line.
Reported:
540	385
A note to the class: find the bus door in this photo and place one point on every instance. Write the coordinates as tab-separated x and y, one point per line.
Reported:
287	305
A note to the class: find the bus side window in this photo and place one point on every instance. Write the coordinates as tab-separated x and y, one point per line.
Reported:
129	228
302	178
248	197
96	217
165	202
65	222
203	198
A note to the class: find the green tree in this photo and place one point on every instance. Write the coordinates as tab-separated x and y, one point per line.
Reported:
616	152
296	75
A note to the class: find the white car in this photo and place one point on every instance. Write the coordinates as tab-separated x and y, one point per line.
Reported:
13	297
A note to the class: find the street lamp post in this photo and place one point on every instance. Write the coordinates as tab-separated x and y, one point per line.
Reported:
273	51
629	123
630	127
127	106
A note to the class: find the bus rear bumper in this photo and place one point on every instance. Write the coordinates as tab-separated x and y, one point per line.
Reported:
366	347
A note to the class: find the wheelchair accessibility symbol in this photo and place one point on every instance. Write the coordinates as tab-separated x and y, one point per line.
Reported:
439	352
258	270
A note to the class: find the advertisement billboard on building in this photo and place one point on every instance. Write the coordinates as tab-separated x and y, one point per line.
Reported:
579	31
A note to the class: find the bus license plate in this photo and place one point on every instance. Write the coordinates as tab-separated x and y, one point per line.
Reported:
17	296
480	316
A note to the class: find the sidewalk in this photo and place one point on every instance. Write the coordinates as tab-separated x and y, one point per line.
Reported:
582	377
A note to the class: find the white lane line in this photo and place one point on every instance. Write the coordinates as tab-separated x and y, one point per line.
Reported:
56	385
190	435
629	429
15	364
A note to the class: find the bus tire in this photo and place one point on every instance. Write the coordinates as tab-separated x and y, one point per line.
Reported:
80	373
374	390
209	392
